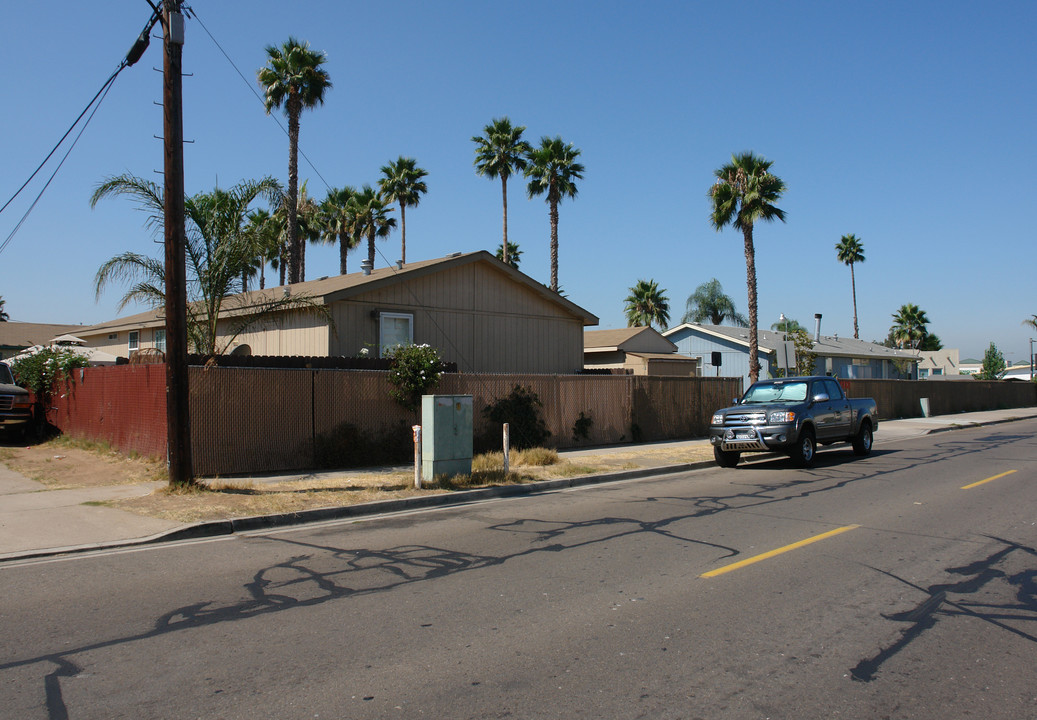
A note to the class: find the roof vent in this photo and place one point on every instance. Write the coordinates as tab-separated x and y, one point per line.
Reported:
453	255
817	327
322	277
366	266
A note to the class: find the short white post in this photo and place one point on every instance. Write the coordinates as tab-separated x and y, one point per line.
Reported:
417	456
507	447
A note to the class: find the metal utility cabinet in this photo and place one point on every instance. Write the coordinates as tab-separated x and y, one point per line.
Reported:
446	435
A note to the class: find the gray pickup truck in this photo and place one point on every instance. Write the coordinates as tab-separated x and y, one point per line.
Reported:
15	404
792	416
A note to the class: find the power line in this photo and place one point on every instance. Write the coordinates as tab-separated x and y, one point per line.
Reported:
134	54
103	95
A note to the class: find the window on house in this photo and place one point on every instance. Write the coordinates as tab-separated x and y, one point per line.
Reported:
394	329
134	343
937	371
113	336
160	340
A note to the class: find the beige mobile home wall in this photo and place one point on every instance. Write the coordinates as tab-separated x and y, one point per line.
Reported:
475	316
295	332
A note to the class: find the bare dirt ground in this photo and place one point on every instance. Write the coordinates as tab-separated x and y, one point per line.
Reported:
61	463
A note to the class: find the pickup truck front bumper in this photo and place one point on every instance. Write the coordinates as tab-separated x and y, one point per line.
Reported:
750	438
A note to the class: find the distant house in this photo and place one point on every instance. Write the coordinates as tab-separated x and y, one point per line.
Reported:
971	366
478	312
18	336
637	351
838	357
939	364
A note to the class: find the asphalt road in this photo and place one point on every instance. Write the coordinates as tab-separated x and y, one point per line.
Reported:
864	588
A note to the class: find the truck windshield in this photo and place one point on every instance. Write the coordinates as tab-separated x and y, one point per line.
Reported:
5	375
776	392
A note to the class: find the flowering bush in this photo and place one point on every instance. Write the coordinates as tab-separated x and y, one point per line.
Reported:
39	371
413	371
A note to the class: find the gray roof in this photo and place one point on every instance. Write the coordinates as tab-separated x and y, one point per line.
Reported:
828	346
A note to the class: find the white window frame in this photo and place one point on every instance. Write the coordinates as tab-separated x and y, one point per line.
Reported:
382	317
160	339
133	341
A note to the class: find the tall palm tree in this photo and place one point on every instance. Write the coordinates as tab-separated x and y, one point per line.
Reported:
293	78
500	152
709	302
553	171
909	326
337	223
369	212
1030	323
219	248
744	193
512	257
4	317
851	251
401	183
647	304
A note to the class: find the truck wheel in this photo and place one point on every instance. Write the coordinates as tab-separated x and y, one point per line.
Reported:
863	440
726	458
805	449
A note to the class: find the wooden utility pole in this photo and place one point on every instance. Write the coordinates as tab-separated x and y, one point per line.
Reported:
178	433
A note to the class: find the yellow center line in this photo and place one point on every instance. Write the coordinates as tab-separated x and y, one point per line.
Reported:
1001	475
778	551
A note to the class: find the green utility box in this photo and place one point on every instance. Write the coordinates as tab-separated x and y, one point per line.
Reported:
446	435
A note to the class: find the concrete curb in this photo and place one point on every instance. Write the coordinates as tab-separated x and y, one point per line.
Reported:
218	528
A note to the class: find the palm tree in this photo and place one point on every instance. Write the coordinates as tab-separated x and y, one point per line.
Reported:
498	154
647	304
553	172
401	183
293	78
745	192
512	257
4	317
219	248
337	223
709	302
1031	323
267	241
369	212
851	251
909	326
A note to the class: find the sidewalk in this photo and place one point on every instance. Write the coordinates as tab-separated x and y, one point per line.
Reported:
36	522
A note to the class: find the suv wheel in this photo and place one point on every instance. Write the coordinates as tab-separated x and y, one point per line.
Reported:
805	449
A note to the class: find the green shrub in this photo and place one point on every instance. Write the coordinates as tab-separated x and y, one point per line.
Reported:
413	371
520	408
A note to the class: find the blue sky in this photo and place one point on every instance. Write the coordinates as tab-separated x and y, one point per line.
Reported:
910	125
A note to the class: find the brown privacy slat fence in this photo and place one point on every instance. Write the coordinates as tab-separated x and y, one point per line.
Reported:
902	398
255	420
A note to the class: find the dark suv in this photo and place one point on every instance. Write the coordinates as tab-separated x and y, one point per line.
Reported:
15	404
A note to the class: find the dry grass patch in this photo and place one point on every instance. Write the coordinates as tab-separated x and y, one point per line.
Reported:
62	463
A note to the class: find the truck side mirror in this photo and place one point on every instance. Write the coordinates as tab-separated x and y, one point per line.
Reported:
821	397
